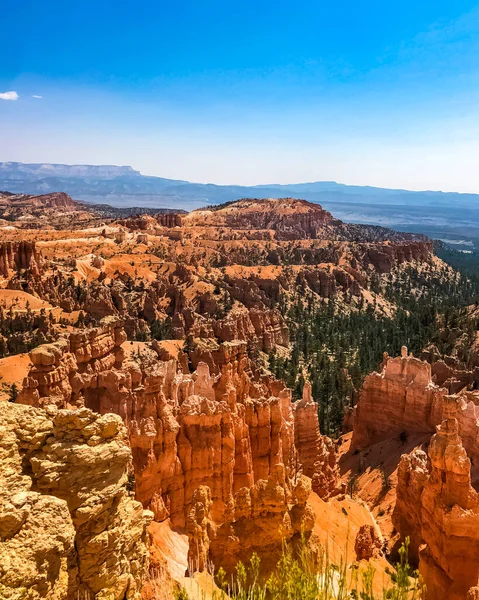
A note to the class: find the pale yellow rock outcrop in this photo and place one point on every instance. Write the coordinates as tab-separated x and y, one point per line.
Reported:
68	527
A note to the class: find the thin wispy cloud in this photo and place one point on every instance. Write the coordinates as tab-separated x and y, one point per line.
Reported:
36	96
8	96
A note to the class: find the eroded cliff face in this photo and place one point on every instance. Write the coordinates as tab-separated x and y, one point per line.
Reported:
262	328
68	526
263	517
438	505
450	518
194	269
402	398
220	451
64	373
285	218
413	472
230	431
19	255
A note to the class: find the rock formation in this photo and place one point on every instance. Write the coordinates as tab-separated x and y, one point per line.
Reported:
450	518
220	452
265	328
413	473
194	275
286	217
293	219
19	255
384	256
236	436
169	220
402	398
55	200
316	453
368	543
68	527
271	511
66	372
439	506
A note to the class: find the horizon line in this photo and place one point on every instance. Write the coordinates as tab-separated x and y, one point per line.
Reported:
257	185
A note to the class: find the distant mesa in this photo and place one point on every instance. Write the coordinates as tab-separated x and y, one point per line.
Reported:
60	170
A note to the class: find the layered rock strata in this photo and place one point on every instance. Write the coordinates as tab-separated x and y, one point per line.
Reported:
67	372
437	505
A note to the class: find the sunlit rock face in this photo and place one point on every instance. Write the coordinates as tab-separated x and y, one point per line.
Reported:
437	505
220	452
68	526
401	398
438	508
228	430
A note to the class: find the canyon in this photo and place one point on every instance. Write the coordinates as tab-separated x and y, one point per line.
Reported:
143	428
435	497
237	435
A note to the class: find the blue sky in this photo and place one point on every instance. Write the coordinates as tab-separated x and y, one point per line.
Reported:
379	93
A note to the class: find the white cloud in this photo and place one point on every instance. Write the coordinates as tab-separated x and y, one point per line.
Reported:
35	96
9	96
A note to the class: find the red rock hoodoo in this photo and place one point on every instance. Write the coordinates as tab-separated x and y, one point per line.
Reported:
239	437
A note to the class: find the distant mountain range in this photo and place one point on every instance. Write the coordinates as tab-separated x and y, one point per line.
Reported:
450	216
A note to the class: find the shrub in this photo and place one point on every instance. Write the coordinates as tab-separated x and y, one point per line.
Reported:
299	576
13	393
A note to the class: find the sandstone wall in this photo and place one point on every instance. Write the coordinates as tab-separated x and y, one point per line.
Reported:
437	505
169	219
384	256
64	372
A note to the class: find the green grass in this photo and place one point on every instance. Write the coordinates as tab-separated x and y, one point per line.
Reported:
301	576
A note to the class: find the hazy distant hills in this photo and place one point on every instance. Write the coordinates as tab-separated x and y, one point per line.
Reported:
37	171
439	214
